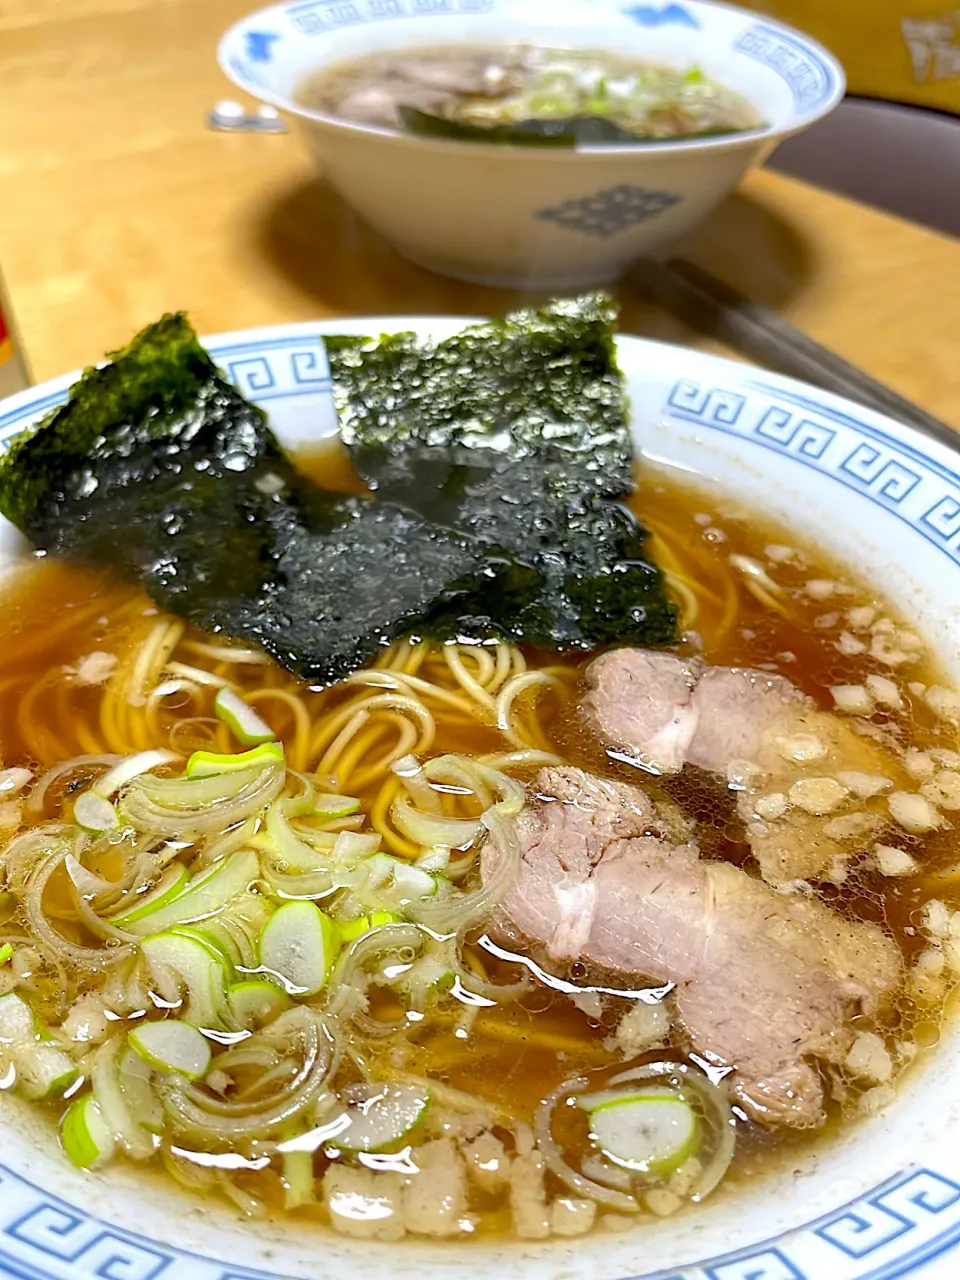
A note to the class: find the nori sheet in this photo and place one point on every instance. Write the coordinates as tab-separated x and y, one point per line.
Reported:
498	462
159	469
515	433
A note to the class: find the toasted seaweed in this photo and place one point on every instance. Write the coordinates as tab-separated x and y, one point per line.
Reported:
498	460
159	469
515	433
572	131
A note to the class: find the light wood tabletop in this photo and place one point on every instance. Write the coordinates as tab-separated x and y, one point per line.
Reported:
118	203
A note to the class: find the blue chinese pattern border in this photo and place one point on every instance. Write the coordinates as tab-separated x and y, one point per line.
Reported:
812	80
891	473
883	1235
904	1224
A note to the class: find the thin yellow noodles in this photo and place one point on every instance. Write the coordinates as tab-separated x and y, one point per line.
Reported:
669	553
503	707
166	678
225	654
64	715
198	675
380	821
45	743
345	769
429	692
504	665
155	708
469	683
151	658
349	730
691	572
690	605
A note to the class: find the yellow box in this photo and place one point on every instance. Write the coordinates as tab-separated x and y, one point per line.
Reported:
892	49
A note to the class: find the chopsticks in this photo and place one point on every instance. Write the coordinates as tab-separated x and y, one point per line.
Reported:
758	333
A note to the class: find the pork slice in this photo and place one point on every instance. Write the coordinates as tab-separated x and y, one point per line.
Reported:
463	75
765	981
578	819
378	104
641	704
731	715
736	707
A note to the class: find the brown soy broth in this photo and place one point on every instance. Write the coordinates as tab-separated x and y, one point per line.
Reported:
54	615
484	85
802	648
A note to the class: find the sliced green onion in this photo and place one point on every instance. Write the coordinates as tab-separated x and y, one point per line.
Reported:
298	1184
6	952
403	879
134	1077
241	719
44	1070
351	929
435	859
652	1132
380	1115
256	1002
171	884
208	764
428	975
207	940
299	944
195	966
203	896
172	1046
95	813
84	1134
328	807
116	1105
295	854
84	881
187	808
351	848
429	829
130	768
235	932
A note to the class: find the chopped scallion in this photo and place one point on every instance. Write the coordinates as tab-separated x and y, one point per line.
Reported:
299	944
244	723
207	764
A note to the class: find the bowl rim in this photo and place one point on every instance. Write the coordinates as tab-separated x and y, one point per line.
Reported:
799	120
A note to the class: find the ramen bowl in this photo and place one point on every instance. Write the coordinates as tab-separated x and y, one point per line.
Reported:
877	1201
533	216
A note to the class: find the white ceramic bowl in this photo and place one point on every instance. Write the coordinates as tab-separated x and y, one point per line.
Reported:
881	1202
528	216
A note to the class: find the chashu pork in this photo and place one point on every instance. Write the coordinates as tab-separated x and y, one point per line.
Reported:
765	982
660	712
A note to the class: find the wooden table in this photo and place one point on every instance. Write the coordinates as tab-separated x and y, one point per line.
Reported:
117	203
